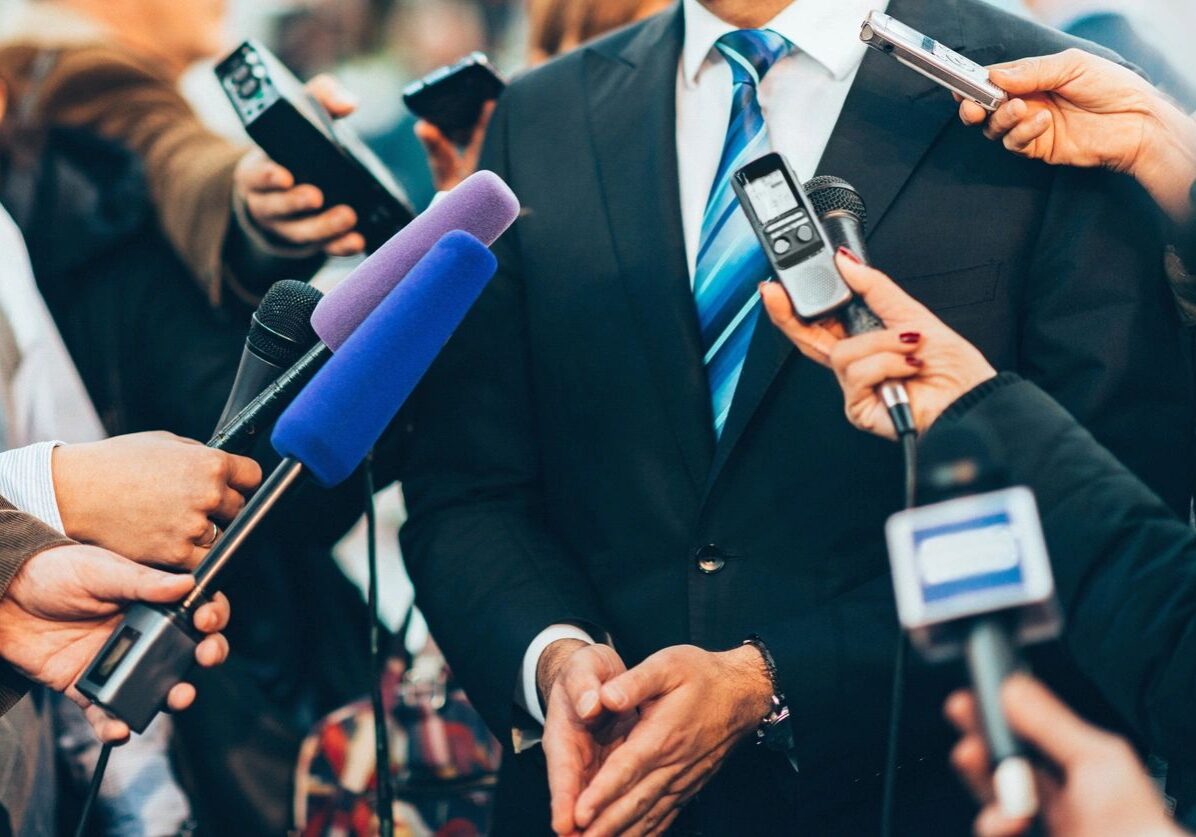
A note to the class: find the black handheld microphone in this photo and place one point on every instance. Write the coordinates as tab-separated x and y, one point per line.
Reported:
278	336
845	218
973	579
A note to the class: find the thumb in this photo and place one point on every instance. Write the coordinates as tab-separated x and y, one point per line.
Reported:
121	580
882	294
636	686
1044	721
1034	75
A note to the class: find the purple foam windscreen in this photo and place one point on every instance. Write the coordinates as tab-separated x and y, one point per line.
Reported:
332	424
482	205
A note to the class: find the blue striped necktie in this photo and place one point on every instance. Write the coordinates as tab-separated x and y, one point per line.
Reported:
730	261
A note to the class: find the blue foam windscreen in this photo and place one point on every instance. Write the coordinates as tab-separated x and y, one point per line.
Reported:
332	424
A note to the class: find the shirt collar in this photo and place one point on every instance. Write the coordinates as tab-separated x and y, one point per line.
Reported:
825	30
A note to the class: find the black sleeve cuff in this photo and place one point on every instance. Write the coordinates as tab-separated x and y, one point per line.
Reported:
974	396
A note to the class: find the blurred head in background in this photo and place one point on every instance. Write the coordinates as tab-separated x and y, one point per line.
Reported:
556	26
175	33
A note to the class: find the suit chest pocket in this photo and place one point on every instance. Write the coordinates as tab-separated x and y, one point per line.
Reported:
959	288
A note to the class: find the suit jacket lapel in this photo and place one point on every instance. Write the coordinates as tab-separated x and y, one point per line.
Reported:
889	121
632	107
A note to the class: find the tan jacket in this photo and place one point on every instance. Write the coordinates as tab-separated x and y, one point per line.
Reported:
21	537
98	85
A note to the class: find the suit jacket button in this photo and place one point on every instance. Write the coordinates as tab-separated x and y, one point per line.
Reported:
710	559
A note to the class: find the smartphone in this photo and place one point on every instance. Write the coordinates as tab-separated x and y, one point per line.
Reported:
452	97
791	235
933	60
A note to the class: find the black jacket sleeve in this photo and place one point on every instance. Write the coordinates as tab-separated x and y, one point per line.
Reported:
1125	567
488	573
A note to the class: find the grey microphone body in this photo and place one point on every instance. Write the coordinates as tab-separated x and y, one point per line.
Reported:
845	219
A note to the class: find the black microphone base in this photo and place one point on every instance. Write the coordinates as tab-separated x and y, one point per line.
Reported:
151	650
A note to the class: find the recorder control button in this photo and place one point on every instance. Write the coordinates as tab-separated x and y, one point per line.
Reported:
248	88
781	246
241	73
805	233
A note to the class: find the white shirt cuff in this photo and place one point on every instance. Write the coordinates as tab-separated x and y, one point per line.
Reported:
527	695
27	481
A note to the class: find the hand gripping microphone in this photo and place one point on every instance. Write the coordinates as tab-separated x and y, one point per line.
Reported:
326	431
845	218
973	578
482	205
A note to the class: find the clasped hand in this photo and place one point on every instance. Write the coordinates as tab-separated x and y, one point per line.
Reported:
626	749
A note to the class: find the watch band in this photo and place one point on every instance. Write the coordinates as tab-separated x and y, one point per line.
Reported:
774	731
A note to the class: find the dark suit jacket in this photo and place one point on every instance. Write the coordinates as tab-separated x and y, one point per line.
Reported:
563	466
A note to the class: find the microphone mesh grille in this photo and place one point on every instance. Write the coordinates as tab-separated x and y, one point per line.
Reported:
830	194
281	329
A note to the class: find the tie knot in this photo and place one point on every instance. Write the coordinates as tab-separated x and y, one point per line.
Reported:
752	52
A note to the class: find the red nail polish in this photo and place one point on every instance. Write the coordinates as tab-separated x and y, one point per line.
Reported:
847	254
911	337
915	361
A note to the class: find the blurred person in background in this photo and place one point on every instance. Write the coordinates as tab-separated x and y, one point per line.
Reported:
555	26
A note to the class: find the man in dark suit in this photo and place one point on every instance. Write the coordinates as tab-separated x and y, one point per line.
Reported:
611	450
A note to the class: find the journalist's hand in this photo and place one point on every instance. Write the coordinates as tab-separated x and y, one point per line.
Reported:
694	707
579	733
295	213
150	496
1077	109
936	364
1099	787
64	602
451	164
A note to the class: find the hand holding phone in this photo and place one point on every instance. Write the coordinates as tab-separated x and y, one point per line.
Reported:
453	98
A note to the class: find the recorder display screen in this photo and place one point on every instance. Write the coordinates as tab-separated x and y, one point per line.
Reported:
771	196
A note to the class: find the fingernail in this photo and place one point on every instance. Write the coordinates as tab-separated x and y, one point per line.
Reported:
617	694
587	703
847	254
911	337
915	361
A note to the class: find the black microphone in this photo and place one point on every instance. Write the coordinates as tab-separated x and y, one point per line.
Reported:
973	579
845	219
279	335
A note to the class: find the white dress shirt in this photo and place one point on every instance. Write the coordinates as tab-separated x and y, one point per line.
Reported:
801	98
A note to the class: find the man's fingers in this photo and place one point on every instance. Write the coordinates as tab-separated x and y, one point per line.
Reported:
970	759
258	173
625	768
231	503
180	697
1039	74
244	474
266	207
318	228
213	617
346	245
583	683
993	823
121	580
961	711
1044	721
212	651
637	810
813	340
108	729
1028	132
1007	117
334	98
650	679
971	113
562	751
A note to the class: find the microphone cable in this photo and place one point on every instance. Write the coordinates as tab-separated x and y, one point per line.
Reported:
908	439
93	791
384	795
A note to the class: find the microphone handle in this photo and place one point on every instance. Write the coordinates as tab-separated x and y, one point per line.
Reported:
991	658
844	230
239	435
